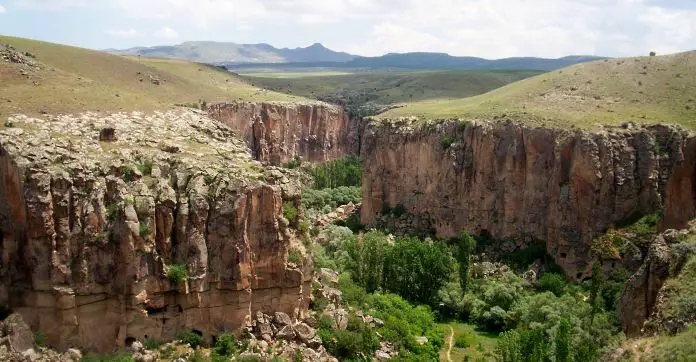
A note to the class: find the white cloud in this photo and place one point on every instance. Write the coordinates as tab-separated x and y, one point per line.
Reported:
166	33
489	28
2	9
122	33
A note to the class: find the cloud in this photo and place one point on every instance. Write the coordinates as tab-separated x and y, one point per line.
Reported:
2	9
122	33
52	5
166	33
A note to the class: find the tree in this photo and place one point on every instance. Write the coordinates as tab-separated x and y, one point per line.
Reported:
367	259
509	348
552	282
466	246
563	341
596	287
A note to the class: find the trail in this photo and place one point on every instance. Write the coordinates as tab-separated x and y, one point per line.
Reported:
450	341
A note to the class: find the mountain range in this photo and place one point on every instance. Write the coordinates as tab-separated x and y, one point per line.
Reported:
235	55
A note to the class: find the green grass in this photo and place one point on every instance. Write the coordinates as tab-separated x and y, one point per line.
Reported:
481	345
72	80
641	89
386	87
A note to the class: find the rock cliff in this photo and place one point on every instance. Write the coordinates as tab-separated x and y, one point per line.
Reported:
135	226
278	132
519	183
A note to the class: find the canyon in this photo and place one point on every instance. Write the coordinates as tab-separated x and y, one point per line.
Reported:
279	132
98	212
521	184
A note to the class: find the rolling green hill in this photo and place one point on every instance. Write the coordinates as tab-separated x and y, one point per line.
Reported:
68	79
611	91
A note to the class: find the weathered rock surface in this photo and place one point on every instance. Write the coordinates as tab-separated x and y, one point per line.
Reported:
520	183
278	132
641	290
90	231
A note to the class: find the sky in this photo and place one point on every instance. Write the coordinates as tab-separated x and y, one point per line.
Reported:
485	28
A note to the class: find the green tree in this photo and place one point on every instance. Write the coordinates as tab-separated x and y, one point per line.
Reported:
509	348
563	341
596	287
552	282
417	270
366	262
466	245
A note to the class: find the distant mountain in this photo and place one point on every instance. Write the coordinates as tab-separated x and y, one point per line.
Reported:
446	61
233	53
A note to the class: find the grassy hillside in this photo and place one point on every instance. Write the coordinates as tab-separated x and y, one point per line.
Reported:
68	79
642	89
385	87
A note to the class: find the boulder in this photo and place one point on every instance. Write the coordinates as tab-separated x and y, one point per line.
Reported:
108	134
304	332
17	333
282	319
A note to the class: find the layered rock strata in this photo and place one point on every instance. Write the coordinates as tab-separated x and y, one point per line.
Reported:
278	132
168	226
519	183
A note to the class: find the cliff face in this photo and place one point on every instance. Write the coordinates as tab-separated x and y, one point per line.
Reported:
522	184
277	132
92	231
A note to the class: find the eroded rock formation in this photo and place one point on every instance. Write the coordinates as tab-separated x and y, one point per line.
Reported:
520	183
277	132
92	232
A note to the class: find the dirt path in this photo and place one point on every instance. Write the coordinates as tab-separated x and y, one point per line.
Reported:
450	342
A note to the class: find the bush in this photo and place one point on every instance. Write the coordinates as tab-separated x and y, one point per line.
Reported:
680	347
295	257
145	168
447	142
177	273
226	345
326	200
461	341
114	357
192	338
294	163
399	210
39	339
552	282
151	344
290	212
144	229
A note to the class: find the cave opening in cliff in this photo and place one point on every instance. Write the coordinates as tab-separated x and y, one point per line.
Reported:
153	310
129	341
5	312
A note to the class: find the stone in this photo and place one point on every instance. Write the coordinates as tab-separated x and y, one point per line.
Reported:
282	319
382	356
303	332
17	332
286	332
422	340
108	134
75	354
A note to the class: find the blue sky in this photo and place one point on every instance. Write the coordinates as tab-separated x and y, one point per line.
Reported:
488	28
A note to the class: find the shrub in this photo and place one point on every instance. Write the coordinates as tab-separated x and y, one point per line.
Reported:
39	339
294	163
114	357
144	229
447	142
398	210
192	338
290	212
226	345
128	174
461	341
177	273
111	212
345	171
552	282
151	344
145	168
303	226
295	257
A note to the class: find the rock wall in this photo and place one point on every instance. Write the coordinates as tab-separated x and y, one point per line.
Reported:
519	183
90	230
277	132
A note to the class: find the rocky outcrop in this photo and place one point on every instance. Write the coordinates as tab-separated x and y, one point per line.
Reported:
641	290
278	132
170	227
521	183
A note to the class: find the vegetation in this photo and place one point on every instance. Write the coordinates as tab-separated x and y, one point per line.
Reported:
290	212
680	347
641	89
144	229
344	171
73	80
192	338
113	357
39	339
363	93
177	273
